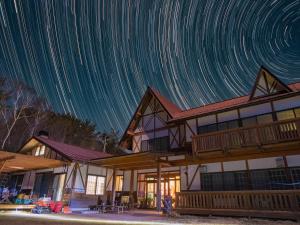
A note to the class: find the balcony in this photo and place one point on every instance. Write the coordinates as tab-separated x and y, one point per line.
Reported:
255	136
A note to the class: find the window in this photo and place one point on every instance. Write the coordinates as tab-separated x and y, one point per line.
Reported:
236	180
207	129
266	118
228	125
297	112
95	185
248	122
119	183
211	182
285	115
40	150
156	144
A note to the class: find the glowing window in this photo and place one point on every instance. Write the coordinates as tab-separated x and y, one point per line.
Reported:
95	185
37	151
119	183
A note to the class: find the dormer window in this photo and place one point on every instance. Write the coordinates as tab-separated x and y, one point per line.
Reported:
40	150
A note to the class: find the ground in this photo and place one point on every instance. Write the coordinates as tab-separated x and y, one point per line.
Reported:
21	218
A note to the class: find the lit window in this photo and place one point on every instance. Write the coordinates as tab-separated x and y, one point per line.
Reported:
95	185
297	113
100	185
266	118
40	150
285	115
119	183
37	151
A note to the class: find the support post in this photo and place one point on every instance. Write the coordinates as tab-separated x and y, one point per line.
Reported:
131	198
158	194
113	187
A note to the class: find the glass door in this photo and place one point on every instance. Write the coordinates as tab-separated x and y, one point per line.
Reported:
170	184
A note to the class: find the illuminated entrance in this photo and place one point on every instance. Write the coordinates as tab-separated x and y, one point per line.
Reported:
147	187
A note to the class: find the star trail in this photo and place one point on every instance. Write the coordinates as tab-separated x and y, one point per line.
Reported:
95	59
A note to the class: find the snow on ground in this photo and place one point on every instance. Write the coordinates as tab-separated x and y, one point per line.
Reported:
21	218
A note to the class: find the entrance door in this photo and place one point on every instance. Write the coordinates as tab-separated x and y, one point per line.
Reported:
170	184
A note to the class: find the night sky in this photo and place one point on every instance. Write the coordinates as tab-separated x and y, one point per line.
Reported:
95	59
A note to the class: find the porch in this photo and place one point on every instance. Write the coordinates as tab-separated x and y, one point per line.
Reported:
283	204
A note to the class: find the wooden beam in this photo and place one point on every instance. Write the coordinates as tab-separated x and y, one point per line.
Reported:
131	198
130	133
7	158
114	187
193	178
158	192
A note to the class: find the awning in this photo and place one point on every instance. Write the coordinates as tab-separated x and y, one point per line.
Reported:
12	162
143	160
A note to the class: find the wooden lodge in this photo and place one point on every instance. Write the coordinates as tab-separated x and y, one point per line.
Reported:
236	157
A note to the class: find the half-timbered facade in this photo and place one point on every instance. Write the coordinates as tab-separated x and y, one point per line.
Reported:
77	183
245	143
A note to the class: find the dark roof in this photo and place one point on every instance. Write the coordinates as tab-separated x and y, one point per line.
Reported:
239	101
72	152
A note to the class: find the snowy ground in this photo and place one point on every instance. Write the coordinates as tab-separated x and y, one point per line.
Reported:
20	218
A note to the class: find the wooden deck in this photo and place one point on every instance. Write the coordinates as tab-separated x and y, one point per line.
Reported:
275	133
284	204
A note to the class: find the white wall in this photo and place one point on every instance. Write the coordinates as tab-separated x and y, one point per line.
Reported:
213	167
262	163
293	160
226	116
255	110
126	180
287	103
196	182
162	133
60	170
174	132
206	120
96	170
79	184
234	165
109	179
190	129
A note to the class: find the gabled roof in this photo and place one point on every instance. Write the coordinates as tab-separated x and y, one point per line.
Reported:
266	84
71	152
169	106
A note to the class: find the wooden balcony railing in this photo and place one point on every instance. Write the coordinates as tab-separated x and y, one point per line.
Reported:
271	133
239	202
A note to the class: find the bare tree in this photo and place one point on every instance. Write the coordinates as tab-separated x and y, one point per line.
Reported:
20	103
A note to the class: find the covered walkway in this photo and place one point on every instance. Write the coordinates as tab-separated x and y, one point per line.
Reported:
15	162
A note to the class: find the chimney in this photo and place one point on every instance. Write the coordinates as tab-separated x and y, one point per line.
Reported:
43	134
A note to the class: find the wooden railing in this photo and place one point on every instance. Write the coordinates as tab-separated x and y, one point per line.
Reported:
271	133
238	201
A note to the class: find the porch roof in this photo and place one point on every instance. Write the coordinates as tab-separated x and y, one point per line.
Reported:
12	162
141	160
